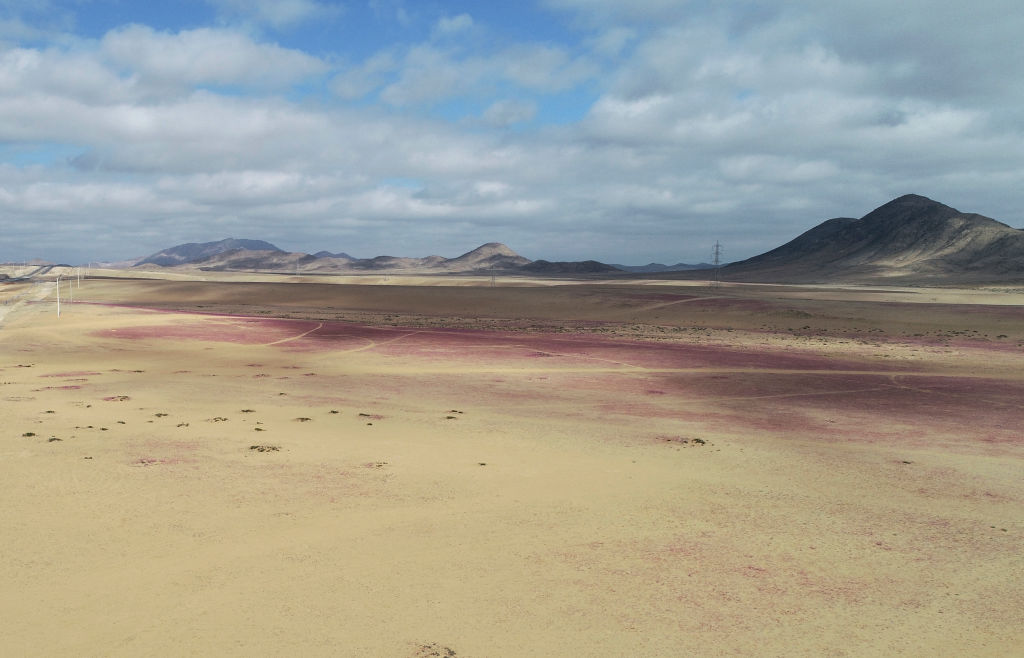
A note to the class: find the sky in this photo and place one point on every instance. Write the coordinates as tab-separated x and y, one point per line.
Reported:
566	129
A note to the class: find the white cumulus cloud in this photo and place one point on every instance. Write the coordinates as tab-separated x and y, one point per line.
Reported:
206	56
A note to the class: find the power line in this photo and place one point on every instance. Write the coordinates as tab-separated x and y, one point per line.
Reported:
716	260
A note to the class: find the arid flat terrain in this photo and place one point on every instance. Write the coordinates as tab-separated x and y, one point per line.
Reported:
434	466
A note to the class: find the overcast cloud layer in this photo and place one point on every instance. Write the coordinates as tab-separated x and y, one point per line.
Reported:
567	129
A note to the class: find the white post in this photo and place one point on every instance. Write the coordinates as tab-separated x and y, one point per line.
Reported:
58	295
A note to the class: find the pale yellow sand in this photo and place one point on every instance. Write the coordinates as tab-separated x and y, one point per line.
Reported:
530	524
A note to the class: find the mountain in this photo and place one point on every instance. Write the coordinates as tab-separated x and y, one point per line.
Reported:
253	259
911	239
256	255
568	267
395	263
327	254
197	251
490	256
661	267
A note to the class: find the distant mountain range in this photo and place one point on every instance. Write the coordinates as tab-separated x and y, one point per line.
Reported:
660	267
909	240
232	254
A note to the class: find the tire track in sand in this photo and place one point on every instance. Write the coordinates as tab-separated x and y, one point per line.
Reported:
291	338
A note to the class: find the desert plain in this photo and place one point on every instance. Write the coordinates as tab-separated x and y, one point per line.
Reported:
419	466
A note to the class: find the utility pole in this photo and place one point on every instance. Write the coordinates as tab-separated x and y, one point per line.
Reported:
58	295
716	260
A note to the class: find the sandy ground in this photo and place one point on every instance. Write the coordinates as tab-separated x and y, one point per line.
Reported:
584	470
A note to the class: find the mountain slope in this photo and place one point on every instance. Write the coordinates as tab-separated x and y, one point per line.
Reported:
327	254
660	267
490	256
911	238
568	267
193	252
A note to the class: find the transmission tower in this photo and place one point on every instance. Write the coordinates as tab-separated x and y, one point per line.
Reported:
716	260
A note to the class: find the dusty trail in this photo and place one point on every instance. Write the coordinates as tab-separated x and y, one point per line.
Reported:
291	338
37	293
653	307
378	343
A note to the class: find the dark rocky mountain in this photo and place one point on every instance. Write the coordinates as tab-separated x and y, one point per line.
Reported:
910	240
568	267
327	254
194	252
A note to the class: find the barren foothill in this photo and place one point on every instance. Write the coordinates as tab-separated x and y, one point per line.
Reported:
543	467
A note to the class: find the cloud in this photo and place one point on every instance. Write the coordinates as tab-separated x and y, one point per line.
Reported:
542	67
601	12
206	56
774	169
28	75
275	13
428	73
701	122
509	112
355	82
391	10
450	25
610	42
